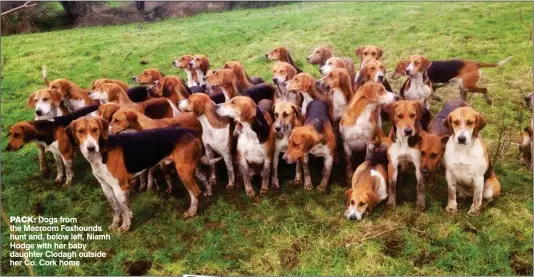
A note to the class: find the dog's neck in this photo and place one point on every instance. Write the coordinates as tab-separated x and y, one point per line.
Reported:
358	107
211	117
258	125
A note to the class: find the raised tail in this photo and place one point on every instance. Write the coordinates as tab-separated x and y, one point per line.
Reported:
499	64
44	73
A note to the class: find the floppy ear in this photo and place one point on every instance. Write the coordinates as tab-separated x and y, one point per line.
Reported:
448	124
56	97
358	52
426	63
298	112
131	116
481	123
444	140
69	130
196	107
29	132
390	110
31	100
420	109
168	87
373	199
369	94
380	53
65	87
348	194
104	128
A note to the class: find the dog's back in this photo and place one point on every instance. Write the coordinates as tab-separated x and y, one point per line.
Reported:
444	71
317	114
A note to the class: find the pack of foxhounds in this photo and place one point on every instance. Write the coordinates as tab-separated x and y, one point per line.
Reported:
224	116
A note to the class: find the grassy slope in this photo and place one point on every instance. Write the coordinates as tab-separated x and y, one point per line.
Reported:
290	232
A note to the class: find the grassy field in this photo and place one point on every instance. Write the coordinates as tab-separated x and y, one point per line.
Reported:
288	232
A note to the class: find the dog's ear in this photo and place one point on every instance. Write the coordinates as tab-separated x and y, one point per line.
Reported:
29	132
426	63
448	124
196	107
390	110
65	87
380	53
420	108
444	140
358	52
348	194
298	112
56	97
31	100
104	128
373	199
369	93
131	116
481	123
69	130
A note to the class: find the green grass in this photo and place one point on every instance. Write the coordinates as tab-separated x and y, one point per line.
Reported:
291	232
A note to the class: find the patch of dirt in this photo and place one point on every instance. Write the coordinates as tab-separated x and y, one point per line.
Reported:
289	257
137	268
521	265
424	258
39	208
393	244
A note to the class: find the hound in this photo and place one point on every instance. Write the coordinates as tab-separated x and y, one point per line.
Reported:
468	169
74	96
239	71
148	76
231	87
525	147
315	137
51	136
305	84
183	63
169	87
325	59
339	85
200	64
404	147
281	54
136	94
372	71
360	124
369	53
255	143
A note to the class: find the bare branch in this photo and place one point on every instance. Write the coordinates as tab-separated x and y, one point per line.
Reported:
26	5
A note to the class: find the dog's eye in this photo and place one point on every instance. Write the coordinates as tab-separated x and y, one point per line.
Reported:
434	155
468	123
80	131
276	115
365	53
284	114
94	130
456	122
423	153
374	53
373	68
412	115
45	99
16	135
400	116
416	63
352	202
361	204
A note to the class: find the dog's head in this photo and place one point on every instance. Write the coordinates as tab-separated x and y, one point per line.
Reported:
432	148
220	77
108	92
107	110
417	64
331	63
62	86
373	70
166	86
19	134
375	92
125	118
301	140
464	125
240	108
286	116
199	62
278	53
337	78
282	72
99	82
183	61
361	200
87	132
319	55
405	115
197	103
44	100
148	76
368	53
303	82
400	70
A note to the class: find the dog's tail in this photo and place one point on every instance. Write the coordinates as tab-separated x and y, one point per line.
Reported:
44	73
499	64
175	111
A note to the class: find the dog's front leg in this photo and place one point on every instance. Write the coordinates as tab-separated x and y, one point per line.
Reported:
348	162
307	176
420	202
478	184
452	205
276	159
230	169
110	196
266	173
243	164
212	179
42	159
328	160
298	172
122	195
392	188
60	168
68	171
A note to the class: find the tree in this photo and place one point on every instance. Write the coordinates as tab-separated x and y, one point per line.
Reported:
25	5
140	5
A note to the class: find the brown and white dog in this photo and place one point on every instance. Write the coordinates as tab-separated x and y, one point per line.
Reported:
287	116
148	76
216	133
99	82
465	72
50	135
154	108
371	71
200	64
170	87
281	54
117	158
315	137
434	140
226	80
305	84
417	86
339	86
75	97
282	72
255	143
106	111
368	53
404	147
468	168
47	104
369	185
239	71
324	57
360	124
183	63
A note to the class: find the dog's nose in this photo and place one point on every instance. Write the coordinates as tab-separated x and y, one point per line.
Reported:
424	170
8	147
275	80
205	78
527	100
203	86
277	128
352	217
396	96
39	112
408	131
190	63
318	82
380	77
266	55
284	157
308	59
462	139
91	148
407	71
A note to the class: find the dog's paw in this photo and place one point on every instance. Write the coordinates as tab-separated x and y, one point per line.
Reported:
308	186
474	211
264	191
297	181
420	206
123	228
230	186
321	188
391	204
250	193
188	214
275	184
451	209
